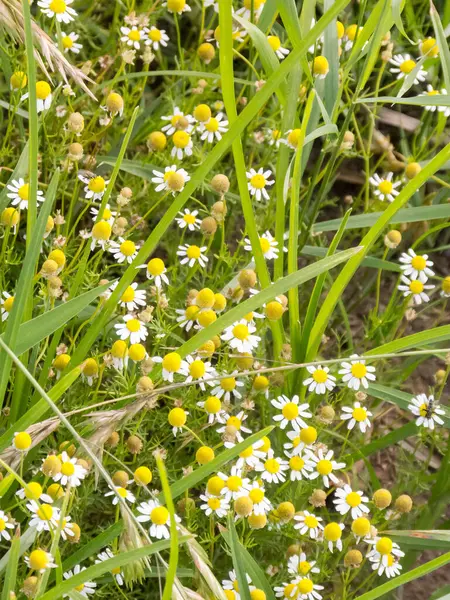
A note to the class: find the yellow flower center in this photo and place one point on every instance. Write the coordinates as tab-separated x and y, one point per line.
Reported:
133	325
155	35
258	181
385	187
38	560
359	414
305	586
359	370
241	331
311	522
246	453
213	405
134	35
127	248
320	65
416	287
353	499
181	139
407	66
324	467
234	483
97	184
308	435
429	47
193	252
361	526
290	591
80	587
57	6
256	495
101	230
212	125
265	245
274	42
8	303
296	463
172	362
2	525
234	422
294	137
433	93
304	567
351	32
67	42
206	317
159	515
419	263
197	369
320	376
156	267
189	219
272	465
45	512
128	295
167	174
256	4
33	490
290	411
332	532
214	503
423	410
22	441
24	191
228	384
177	417
384	545
176	5
68	469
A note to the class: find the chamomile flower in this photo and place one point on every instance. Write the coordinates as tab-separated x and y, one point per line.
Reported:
333	535
133	36
191	254
182	145
275	44
95	187
121	492
300	465
156	272
100	234
6	304
67	531
199	370
257	182
356	373
214	505
59	9
383	551
214	128
156	38
403	65
108	214
45	516
132	298
187	316
40	560
240	336
347	500
385	189
188	219
177	419
177	6
416	289
269	246
159	518
250	457
236	421
171	180
308	523
20	192
320	380
44	96
172	364
132	329
71	472
123	250
273	469
425	408
295	446
356	414
69	42
178	121
234	484
350	35
431	92
117	573
33	491
298	565
292	412
213	407
5	524
416	266
228	387
286	590
250	7
324	465
85	589
391	569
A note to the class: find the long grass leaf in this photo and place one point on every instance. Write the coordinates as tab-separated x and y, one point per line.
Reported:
442	44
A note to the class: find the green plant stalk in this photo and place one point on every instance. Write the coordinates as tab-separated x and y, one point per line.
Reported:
173	560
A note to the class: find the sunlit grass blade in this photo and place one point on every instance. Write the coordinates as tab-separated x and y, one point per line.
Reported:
9	582
93	546
425	100
419	339
386	441
239	568
442	44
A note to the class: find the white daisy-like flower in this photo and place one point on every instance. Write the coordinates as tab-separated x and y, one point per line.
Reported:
391	569
5	524
333	535
188	219
123	250
123	493
300	465
295	445
273	137
257	182
34	491
213	407
299	565
133	36
416	266
228	387
307	590
292	412
67	530
69	42
384	188
214	128
240	336
44	96
432	92
235	484
19	193
71	472
132	328
383	549
171	180
356	373
156	37
59	9
275	44
320	380
116	573
108	214
187	316
132	298
250	457
269	246
214	505
236	421
6	304
273	469
403	65
191	254
182	145
427	411
178	121
156	272
85	589
172	364
183	8
356	414
45	517
199	370
159	518
257	494
308	523
45	559
95	187
347	500
351	34
416	289
213	3
255	6
324	465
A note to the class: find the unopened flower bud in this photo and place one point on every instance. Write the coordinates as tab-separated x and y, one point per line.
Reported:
113	439
353	558
286	511
134	444
243	506
75	123
318	498
404	504
121	479
208	226
75	151
382	498
220	184
412	169
393	238
439	376
51	466
247	279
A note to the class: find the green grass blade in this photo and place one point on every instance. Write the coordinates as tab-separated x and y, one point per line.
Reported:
369	261
26	541
402	433
442	44
438	100
93	546
437	334
397	7
428	567
9	583
331	53
239	568
419	539
268	15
